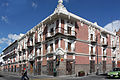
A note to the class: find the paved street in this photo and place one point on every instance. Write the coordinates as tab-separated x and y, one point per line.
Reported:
6	76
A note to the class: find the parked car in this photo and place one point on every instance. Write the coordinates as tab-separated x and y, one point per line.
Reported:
114	73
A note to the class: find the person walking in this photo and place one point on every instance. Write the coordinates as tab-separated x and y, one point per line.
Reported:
24	75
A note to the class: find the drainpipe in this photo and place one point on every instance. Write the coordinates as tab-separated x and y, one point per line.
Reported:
97	73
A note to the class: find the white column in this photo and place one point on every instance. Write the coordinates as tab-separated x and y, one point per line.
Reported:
38	35
48	31
59	24
54	56
33	39
59	43
48	48
53	45
47	58
72	46
73	29
65	27
65	56
38	51
66	45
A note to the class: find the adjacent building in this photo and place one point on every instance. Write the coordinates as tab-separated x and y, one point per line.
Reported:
64	43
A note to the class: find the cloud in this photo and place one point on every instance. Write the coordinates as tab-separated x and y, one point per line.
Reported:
6	4
4	19
2	40
34	5
13	36
115	25
10	38
66	0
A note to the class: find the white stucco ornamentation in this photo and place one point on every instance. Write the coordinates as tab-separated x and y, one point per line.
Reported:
60	7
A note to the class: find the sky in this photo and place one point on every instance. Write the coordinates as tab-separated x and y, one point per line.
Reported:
19	16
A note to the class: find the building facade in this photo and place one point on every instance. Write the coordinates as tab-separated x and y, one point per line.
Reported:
64	43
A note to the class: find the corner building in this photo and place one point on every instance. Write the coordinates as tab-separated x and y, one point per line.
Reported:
66	43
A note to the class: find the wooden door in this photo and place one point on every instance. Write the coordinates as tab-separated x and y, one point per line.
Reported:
50	67
69	67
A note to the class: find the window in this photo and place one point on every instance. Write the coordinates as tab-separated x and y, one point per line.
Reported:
91	37
57	23
69	30
69	46
67	21
51	47
40	51
103	51
46	47
19	54
40	38
36	51
56	42
51	31
24	53
62	21
91	50
103	41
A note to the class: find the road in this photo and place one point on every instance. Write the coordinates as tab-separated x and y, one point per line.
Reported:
8	77
5	76
93	77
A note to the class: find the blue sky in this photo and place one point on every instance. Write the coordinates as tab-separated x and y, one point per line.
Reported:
19	16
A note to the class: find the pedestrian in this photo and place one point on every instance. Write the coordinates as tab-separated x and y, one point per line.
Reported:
24	75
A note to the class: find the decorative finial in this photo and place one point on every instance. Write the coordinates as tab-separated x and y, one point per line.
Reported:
60	1
60	7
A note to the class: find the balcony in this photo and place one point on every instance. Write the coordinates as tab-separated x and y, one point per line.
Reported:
92	53
19	50
30	45
24	58
20	59
104	55
31	32
61	31
104	31
37	41
23	48
104	44
113	46
114	55
93	42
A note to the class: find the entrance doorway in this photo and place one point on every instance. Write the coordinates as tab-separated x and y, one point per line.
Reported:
11	68
92	66
8	68
50	67
20	68
113	64
39	68
104	66
118	64
31	67
15	69
69	67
